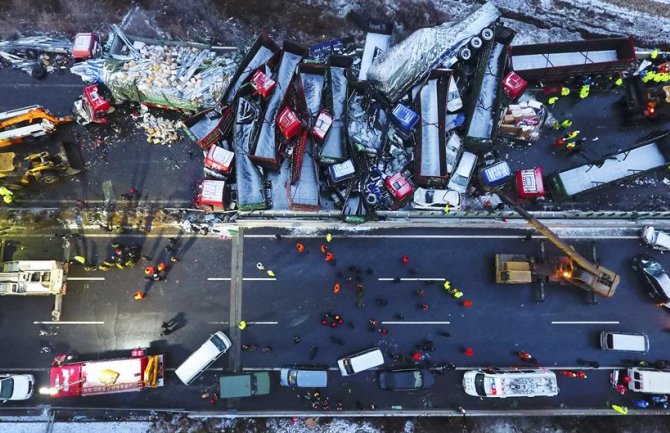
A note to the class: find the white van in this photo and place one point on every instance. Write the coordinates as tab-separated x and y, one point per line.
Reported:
461	178
215	346
624	341
645	380
510	382
360	361
301	377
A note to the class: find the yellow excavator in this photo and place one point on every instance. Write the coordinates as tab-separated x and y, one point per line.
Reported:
41	168
573	268
32	121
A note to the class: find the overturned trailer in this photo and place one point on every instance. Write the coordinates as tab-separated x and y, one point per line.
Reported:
649	154
555	62
484	105
405	64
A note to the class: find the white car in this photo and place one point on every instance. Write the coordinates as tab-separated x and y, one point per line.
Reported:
656	239
428	198
16	386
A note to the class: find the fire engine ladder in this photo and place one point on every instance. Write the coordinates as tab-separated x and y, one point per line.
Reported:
102	389
151	372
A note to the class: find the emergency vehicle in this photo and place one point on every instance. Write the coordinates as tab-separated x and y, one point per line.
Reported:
510	382
81	379
33	277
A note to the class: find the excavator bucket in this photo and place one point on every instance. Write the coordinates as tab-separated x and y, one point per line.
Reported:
71	158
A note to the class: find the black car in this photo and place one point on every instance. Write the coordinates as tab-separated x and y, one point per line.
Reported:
657	280
409	379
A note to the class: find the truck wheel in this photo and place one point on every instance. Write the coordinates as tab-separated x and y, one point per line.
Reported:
476	42
465	54
38	72
48	179
371	199
487	34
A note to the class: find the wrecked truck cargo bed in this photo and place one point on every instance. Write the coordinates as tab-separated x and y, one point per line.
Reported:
648	155
262	52
334	99
560	60
264	149
431	149
250	186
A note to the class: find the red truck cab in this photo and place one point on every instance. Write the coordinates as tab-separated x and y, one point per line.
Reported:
85	46
529	183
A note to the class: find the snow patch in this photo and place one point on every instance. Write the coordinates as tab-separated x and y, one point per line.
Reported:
337	425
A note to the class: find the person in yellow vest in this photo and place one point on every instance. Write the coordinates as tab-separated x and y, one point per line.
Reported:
654	54
7	195
584	91
565	91
552	100
650	75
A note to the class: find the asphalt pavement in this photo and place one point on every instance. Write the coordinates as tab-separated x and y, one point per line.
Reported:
101	320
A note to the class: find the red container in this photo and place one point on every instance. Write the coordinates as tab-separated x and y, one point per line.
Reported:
289	124
322	125
529	183
85	46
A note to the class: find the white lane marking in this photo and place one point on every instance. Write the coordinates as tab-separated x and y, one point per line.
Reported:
586	322
248	323
85	278
408	322
143	203
567	236
412	279
244	279
83	322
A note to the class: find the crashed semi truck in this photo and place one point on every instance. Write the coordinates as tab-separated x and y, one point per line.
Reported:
650	154
407	63
555	62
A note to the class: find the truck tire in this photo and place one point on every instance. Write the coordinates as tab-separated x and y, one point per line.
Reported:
371	199
476	42
487	34
465	54
48	179
38	72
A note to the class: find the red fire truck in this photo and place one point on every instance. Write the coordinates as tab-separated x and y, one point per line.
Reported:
74	379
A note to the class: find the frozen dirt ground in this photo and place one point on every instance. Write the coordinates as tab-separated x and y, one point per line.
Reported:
178	424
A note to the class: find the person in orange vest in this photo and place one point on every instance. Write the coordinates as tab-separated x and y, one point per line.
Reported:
329	257
336	288
324	249
149	270
161	267
300	247
138	295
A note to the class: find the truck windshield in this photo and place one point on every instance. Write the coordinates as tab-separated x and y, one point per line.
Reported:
479	384
6	388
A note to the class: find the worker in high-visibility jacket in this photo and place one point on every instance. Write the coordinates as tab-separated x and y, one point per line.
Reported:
654	54
7	195
565	91
584	91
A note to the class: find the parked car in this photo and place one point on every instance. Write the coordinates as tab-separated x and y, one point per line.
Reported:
655	277
656	239
428	198
461	178
16	386
408	379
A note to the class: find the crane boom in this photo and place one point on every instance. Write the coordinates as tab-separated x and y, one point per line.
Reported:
604	281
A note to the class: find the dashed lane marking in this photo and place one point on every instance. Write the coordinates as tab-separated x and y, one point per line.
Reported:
86	278
586	322
248	323
83	322
408	322
243	279
411	279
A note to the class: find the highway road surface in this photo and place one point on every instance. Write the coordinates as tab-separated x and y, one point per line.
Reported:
217	282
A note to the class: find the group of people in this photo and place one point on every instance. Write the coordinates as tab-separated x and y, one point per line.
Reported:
122	257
